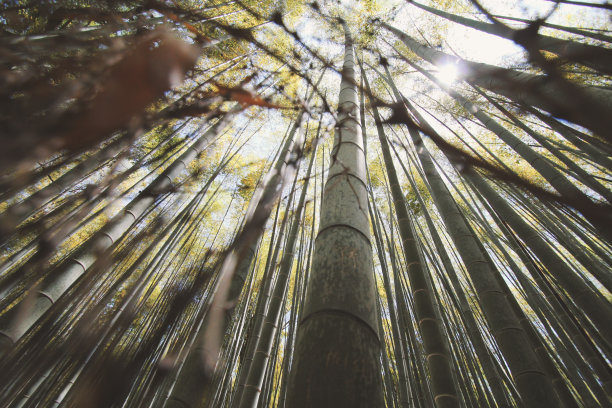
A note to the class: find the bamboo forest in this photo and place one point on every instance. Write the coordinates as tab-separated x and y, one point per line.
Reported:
320	203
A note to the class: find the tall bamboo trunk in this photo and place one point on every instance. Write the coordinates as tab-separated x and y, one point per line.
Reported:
539	163
436	347
532	383
597	311
582	174
489	365
191	382
64	276
337	352
263	347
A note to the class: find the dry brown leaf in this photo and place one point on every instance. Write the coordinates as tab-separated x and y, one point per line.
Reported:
151	67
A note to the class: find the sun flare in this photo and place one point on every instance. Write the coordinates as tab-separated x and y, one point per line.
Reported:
448	74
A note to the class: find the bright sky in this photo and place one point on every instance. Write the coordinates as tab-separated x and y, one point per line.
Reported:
467	43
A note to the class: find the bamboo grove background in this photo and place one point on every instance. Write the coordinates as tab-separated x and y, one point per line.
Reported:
252	204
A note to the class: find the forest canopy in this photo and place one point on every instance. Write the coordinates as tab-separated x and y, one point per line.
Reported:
240	203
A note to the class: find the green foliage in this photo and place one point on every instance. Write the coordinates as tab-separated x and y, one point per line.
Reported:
248	183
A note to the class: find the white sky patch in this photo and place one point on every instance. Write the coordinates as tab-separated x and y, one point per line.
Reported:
481	47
